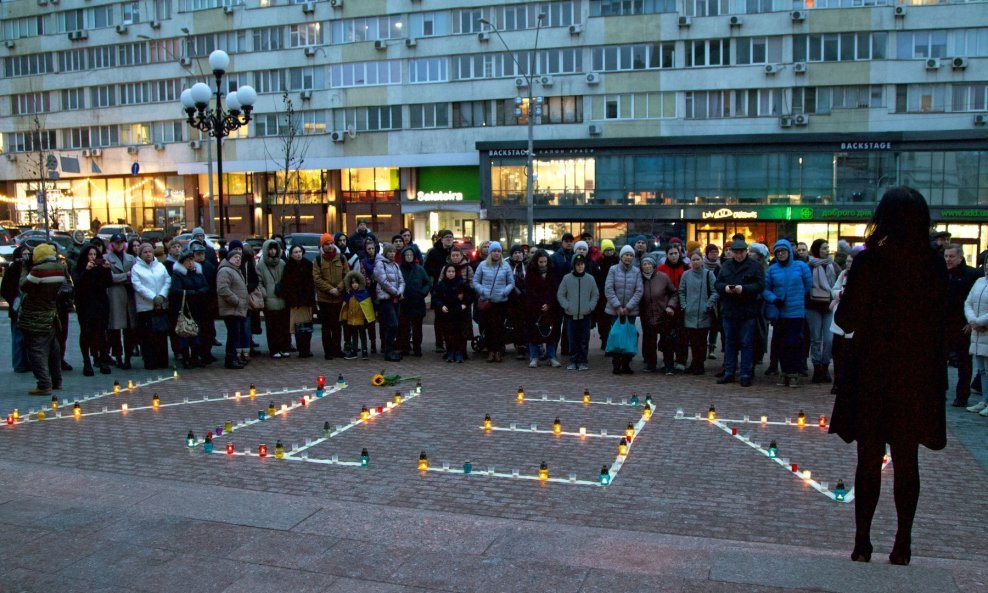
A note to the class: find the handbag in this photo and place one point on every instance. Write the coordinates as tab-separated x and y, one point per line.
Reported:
255	300
485	304
623	338
186	326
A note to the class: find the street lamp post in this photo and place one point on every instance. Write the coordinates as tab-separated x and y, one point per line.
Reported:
218	122
533	111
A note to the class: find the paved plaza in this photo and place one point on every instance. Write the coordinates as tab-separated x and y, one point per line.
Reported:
118	502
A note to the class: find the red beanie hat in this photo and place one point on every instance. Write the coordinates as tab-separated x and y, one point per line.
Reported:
326	238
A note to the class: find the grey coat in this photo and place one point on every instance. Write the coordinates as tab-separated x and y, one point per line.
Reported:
231	291
623	288
123	307
269	273
578	295
697	297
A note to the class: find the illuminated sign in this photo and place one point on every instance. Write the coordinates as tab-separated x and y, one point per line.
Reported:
866	146
728	213
439	196
845	213
969	213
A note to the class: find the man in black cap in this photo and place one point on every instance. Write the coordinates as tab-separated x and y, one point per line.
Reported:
562	260
740	283
361	237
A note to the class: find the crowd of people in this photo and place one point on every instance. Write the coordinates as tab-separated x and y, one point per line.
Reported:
765	307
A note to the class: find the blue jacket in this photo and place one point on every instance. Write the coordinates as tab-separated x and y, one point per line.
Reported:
789	282
494	282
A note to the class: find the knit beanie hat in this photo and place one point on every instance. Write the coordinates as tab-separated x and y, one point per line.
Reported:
42	252
515	249
494	246
649	259
198	231
579	258
235	244
582	244
710	248
627	249
325	238
606	244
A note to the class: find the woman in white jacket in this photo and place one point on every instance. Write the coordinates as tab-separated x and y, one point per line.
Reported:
151	283
976	311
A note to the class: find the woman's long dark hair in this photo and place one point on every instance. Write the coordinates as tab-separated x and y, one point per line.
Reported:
902	220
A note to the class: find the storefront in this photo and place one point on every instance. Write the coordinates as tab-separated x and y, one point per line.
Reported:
445	198
763	187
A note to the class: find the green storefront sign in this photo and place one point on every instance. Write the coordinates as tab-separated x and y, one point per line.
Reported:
966	213
448	184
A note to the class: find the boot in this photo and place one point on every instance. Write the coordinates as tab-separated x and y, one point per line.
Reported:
126	364
773	369
794	380
825	374
784	379
498	357
304	342
817	373
87	366
373	349
490	357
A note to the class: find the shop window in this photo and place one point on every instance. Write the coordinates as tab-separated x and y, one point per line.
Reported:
370	185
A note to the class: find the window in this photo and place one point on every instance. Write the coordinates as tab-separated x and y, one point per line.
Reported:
633	57
365	29
73	99
31	141
102	57
706	7
164	50
467	20
710	52
925	98
132	54
428	115
72	60
102	96
202	45
267	39
163	132
428	24
21	28
967	43
130	13
269	81
387	117
472	114
30	103
313	122
427	70
708	104
135	134
95	136
480	66
28	65
560	61
759	50
307	78
562	110
267	124
921	44
190	5
304	35
840	47
626	7
365	73
969	97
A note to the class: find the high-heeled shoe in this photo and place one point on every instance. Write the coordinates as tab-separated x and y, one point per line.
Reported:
862	551
900	554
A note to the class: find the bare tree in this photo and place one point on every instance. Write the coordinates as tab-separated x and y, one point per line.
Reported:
41	165
290	155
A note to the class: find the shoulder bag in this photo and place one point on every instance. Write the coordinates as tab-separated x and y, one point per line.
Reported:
186	326
255	300
484	304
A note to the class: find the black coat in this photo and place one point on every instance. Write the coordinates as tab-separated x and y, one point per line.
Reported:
896	374
10	285
92	304
297	286
542	327
751	276
435	260
960	280
196	289
451	294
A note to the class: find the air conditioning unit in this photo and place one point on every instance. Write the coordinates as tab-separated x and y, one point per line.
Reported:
306	95
336	3
381	44
11	157
785	121
593	78
55	2
96	152
958	63
195	144
736	21
899	12
596	129
86	152
797	15
337	136
933	64
575	29
78	35
772	68
979	120
801	120
185	62
799	67
159	145
132	150
309	7
411	42
155	24
42	2
227	10
9	44
310	51
484	36
521	82
546	80
685	22
121	29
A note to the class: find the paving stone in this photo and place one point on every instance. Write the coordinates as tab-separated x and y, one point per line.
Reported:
464	572
267	579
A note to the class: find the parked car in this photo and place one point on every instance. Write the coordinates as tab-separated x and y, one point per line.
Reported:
153	236
108	230
211	240
6	237
60	239
308	240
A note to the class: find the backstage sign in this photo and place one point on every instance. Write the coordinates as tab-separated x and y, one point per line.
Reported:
846	146
728	213
541	152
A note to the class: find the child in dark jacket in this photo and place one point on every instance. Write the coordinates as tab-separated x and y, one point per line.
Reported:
452	298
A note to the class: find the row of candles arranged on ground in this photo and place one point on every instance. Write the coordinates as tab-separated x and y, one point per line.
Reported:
800	418
15	416
634	401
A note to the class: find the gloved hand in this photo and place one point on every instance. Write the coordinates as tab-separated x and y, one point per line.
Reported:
159	302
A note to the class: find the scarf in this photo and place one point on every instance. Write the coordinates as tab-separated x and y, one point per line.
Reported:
824	268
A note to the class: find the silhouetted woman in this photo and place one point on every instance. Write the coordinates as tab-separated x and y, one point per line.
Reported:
893	391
